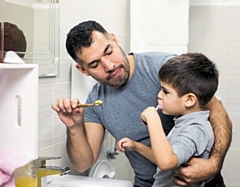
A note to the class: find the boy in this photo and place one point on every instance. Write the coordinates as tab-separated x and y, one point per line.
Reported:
188	83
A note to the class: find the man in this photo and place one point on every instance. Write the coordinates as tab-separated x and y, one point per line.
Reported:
127	85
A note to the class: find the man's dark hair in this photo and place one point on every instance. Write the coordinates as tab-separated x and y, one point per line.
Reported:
191	73
81	36
14	39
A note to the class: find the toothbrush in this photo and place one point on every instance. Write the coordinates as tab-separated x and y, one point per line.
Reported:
96	103
158	107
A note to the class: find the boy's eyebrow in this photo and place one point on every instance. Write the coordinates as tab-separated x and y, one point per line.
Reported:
106	48
162	87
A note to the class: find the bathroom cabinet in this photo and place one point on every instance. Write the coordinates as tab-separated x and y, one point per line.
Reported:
19	108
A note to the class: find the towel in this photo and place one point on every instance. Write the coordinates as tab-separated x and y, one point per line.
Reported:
9	161
159	25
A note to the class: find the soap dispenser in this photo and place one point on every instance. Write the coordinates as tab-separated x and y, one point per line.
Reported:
26	176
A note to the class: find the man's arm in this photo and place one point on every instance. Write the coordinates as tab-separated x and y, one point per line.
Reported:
84	144
198	170
83	140
222	128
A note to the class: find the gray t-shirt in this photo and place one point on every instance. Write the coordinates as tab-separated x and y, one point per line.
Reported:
121	109
191	136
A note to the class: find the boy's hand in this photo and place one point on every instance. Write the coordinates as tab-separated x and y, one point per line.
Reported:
126	143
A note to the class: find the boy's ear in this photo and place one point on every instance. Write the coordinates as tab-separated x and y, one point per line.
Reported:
190	100
82	69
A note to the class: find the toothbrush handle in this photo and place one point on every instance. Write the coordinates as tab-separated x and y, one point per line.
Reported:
84	105
157	107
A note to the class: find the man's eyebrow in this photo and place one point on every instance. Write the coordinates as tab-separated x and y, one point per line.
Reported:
106	48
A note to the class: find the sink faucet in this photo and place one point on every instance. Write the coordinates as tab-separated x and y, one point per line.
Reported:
44	170
111	154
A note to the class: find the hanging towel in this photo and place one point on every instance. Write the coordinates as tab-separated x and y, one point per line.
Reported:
159	25
9	161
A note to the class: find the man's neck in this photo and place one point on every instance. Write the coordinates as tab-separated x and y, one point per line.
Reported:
131	63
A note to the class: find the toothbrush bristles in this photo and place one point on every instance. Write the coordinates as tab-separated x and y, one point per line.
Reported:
98	102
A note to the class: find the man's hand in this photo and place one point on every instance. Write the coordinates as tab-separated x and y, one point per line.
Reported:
68	112
195	171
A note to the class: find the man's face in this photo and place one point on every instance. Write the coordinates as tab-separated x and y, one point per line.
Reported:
105	61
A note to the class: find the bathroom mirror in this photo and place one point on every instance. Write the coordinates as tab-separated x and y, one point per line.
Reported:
39	21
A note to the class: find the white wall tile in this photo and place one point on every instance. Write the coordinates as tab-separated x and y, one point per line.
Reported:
231	167
47	151
79	10
214	31
45	114
64	72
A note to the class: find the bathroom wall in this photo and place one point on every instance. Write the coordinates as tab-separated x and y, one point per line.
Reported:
214	30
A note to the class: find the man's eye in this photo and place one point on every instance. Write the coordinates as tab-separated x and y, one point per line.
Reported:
109	53
94	65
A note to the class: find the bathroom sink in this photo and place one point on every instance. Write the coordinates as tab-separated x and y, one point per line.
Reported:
81	181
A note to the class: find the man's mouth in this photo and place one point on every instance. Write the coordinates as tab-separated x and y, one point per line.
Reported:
116	73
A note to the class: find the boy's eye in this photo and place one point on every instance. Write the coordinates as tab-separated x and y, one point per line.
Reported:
165	91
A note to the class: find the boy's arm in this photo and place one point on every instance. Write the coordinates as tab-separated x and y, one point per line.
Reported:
129	144
145	151
161	148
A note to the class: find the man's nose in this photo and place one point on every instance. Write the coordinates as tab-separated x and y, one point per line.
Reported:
107	64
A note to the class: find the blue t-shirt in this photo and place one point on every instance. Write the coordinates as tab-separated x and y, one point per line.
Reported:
121	109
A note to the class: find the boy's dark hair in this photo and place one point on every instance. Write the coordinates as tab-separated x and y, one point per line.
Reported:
81	36
14	39
191	73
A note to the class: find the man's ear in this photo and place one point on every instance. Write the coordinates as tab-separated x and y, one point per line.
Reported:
190	99
114	38
82	69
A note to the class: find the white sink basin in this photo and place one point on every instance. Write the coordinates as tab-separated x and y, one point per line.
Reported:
80	181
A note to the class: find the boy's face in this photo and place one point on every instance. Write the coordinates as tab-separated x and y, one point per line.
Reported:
170	102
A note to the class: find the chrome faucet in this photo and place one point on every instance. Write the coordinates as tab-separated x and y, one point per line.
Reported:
111	154
44	170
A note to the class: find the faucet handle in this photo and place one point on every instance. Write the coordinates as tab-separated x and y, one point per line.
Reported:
41	161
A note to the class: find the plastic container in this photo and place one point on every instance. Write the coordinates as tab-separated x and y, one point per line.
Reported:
26	176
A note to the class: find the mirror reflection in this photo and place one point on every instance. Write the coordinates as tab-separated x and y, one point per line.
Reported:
38	20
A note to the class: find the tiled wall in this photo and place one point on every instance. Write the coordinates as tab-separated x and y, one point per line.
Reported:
215	31
114	16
